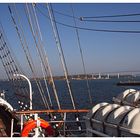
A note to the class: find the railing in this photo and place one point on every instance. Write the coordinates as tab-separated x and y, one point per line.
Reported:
53	111
66	122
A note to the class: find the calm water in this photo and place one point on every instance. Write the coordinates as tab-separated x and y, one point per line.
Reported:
101	91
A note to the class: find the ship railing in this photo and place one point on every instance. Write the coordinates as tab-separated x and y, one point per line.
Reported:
70	127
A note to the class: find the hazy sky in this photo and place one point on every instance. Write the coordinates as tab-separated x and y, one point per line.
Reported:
103	52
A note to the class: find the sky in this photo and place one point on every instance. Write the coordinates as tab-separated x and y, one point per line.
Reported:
103	52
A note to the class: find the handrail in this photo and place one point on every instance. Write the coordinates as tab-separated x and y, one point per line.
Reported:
64	121
53	111
30	87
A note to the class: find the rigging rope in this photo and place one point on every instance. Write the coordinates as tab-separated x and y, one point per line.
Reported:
10	67
119	21
101	16
1	57
31	64
37	82
47	61
45	101
45	56
91	29
28	56
5	56
82	57
117	15
33	33
13	56
61	54
9	63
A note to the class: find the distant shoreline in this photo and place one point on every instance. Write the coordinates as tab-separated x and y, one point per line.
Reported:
79	77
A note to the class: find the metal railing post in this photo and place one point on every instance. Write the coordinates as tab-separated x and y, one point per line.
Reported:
30	87
37	125
12	125
64	122
21	122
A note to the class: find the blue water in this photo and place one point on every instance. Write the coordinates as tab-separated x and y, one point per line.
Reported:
102	90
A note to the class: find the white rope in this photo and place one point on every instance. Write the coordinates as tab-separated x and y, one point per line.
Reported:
60	50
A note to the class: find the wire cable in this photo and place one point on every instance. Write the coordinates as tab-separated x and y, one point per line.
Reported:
82	57
91	29
120	21
33	33
61	13
61	53
46	58
27	52
112	16
102	16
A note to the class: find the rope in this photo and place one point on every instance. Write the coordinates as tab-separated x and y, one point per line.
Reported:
12	55
29	20
60	50
108	16
46	58
45	55
27	54
10	66
119	21
92	29
41	91
82	58
31	27
3	61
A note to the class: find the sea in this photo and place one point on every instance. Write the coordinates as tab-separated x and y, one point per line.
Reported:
102	90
